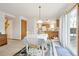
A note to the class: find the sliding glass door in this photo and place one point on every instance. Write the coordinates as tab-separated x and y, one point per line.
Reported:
72	30
68	30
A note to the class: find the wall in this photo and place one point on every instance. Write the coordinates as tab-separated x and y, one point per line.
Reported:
14	31
16	28
2	21
31	25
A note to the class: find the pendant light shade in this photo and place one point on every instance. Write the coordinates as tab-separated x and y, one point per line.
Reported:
39	21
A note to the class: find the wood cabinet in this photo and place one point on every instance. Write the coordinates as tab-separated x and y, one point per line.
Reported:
57	23
52	34
3	39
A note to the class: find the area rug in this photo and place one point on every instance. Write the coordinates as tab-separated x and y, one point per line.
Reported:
22	52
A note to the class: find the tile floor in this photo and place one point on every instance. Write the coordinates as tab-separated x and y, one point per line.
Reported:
11	48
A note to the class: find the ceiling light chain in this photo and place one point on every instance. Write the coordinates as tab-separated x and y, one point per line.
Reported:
39	12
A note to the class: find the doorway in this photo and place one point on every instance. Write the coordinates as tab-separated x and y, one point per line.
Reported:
8	27
23	28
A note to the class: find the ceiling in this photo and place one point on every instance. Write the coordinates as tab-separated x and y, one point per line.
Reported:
48	10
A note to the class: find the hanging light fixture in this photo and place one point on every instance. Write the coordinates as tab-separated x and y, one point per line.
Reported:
39	21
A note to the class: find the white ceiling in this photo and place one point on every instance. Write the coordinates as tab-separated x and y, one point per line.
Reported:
48	10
